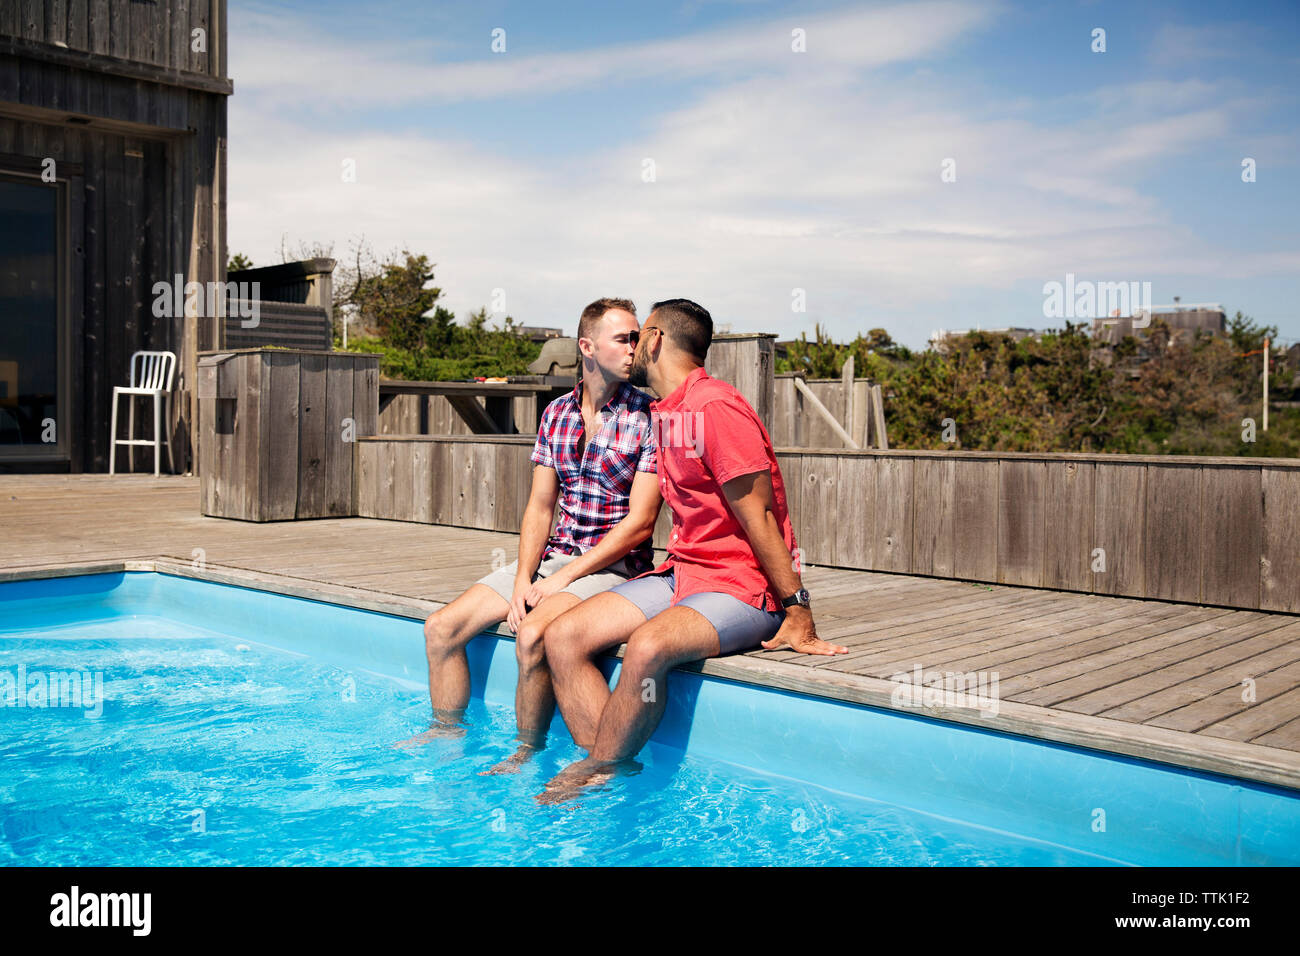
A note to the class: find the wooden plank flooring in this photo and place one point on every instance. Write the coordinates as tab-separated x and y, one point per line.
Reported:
1062	659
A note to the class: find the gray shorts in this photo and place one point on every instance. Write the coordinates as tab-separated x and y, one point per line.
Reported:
740	626
503	580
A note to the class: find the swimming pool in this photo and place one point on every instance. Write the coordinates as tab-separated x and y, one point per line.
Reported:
214	724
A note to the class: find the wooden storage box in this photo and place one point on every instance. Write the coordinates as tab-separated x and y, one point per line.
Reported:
277	429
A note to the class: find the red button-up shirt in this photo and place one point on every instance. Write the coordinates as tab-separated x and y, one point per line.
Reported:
707	434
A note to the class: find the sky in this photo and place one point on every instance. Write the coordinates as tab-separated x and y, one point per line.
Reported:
908	166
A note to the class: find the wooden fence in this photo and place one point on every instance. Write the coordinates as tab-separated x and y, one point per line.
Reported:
796	426
1216	531
1220	531
857	404
477	481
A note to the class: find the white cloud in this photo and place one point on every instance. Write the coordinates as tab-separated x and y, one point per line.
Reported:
270	58
822	179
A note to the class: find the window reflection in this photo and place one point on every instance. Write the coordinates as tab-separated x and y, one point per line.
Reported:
28	311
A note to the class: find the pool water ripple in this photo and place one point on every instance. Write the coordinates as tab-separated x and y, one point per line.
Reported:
209	754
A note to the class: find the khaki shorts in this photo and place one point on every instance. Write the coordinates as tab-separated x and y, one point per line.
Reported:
503	580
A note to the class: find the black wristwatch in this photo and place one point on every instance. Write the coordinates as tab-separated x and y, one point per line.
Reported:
800	597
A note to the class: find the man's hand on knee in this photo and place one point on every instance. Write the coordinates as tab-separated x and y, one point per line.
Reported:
518	605
545	587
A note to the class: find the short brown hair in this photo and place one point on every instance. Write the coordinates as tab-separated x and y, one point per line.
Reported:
596	311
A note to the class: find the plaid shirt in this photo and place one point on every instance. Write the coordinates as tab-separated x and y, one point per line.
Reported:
595	487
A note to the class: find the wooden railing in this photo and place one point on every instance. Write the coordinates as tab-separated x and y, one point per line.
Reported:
461	408
1220	531
293	435
1223	531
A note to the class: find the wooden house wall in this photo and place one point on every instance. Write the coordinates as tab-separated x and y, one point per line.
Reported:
154	34
152	164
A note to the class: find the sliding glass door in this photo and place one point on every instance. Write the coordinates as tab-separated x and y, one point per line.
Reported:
33	343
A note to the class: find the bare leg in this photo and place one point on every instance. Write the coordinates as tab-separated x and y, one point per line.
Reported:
534	698
446	633
637	704
573	641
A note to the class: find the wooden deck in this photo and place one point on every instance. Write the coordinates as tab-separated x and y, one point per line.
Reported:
1151	679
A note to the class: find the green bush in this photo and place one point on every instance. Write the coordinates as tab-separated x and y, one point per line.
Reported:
1055	392
419	340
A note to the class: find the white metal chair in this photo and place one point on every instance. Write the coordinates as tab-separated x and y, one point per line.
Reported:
151	375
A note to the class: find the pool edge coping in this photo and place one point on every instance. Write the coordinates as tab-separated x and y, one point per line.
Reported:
1233	759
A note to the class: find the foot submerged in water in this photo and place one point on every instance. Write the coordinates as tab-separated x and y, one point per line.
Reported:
512	764
437	731
582	777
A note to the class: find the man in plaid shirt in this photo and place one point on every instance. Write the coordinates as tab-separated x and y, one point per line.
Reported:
595	455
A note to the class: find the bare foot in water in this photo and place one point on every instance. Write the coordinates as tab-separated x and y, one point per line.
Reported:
576	779
436	731
513	763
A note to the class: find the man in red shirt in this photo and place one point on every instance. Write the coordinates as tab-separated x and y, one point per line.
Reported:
730	582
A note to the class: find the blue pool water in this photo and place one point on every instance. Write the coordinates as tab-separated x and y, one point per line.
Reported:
238	727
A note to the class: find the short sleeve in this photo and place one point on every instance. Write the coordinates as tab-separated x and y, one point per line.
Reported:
733	442
542	448
649	455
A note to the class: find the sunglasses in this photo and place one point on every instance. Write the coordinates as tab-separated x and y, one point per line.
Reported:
635	337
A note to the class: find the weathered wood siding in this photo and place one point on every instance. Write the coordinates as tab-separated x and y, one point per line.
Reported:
746	361
795	424
278	428
135	120
158	34
471	482
1198	530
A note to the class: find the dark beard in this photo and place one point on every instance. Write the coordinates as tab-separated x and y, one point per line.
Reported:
637	376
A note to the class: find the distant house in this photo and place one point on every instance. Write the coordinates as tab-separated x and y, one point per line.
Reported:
1184	320
112	180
